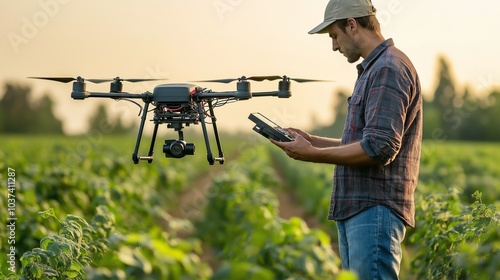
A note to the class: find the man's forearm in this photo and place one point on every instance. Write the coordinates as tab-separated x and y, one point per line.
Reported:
324	142
350	155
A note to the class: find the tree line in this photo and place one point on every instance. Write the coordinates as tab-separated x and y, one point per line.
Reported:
449	113
19	114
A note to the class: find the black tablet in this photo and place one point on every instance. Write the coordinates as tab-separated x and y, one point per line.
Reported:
268	128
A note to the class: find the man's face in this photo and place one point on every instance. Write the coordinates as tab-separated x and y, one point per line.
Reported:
344	42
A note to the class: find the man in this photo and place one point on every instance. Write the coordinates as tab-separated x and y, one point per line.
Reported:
377	158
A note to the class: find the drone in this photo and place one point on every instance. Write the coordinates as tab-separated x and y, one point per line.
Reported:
179	105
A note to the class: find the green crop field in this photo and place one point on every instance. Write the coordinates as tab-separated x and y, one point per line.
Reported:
78	208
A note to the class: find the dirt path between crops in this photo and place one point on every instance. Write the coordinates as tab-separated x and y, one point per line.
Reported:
191	203
290	207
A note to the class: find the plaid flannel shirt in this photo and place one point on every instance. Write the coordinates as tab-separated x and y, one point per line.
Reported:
385	115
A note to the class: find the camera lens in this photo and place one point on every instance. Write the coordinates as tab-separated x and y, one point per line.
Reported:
177	149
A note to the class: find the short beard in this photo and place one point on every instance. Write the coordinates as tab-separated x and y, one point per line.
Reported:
352	58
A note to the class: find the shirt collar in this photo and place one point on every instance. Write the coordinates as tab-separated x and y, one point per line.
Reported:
374	55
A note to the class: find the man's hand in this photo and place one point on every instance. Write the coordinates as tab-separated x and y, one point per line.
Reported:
300	148
294	131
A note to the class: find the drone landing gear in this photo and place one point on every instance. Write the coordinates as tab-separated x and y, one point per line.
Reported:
211	159
149	157
179	148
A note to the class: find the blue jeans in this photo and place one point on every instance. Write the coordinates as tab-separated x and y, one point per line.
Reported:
370	243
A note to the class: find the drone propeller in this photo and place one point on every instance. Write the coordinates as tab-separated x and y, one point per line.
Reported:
57	79
96	81
118	79
262	78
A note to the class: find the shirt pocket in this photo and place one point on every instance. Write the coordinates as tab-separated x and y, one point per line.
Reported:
354	99
355	114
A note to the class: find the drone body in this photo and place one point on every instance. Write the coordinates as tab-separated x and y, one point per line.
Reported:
173	93
179	105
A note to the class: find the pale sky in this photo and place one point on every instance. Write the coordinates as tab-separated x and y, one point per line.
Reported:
188	40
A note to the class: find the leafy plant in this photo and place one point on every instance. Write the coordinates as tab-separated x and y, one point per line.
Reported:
152	255
241	223
456	241
64	256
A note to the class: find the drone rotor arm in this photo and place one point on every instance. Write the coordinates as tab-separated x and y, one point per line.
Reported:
120	95
265	93
223	95
279	93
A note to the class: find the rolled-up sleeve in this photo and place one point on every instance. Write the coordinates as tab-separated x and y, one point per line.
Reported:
387	102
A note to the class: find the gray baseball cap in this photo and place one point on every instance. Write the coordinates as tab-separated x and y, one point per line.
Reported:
342	9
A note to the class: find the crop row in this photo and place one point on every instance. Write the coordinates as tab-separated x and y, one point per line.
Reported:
98	183
117	225
241	223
